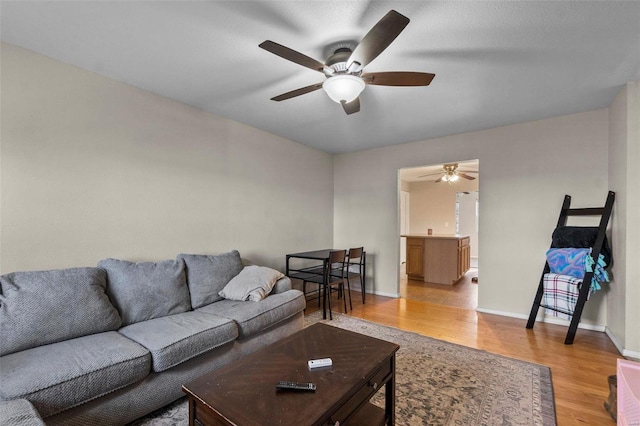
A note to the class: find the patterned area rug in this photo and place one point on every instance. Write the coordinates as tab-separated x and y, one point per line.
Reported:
440	383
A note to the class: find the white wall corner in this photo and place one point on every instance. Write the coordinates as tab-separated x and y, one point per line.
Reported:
624	352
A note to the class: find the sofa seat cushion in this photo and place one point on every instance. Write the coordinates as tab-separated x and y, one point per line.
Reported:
253	317
62	375
177	338
42	307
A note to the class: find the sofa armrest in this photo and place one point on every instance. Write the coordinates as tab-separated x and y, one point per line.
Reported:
282	285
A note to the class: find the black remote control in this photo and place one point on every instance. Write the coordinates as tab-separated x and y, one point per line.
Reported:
295	386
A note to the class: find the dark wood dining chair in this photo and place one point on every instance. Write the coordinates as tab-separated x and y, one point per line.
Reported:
355	269
332	278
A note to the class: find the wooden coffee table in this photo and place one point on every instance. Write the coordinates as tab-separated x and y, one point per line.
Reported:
244	392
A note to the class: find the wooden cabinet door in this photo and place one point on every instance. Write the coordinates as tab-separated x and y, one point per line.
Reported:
415	257
464	260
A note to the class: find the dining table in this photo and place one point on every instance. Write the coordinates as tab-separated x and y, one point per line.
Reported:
321	255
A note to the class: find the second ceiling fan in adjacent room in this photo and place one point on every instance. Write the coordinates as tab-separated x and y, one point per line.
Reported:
450	174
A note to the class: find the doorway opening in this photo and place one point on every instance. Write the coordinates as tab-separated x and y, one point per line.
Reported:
435	206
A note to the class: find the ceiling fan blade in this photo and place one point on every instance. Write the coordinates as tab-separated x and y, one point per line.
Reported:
292	55
398	78
378	38
431	174
439	179
464	176
297	92
351	107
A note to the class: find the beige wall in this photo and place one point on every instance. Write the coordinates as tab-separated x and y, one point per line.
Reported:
92	168
617	182
623	314
525	171
434	205
633	221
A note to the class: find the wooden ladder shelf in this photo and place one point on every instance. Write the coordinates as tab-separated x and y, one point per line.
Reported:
596	249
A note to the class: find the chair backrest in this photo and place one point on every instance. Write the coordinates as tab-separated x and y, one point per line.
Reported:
335	256
356	253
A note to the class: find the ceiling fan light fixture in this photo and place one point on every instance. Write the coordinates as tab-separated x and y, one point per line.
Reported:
454	177
343	87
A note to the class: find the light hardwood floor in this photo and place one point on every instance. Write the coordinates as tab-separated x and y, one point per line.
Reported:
579	371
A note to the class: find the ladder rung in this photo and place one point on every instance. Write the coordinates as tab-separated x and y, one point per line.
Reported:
551	308
588	211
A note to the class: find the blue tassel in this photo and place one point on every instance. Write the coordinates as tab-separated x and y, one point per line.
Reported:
600	275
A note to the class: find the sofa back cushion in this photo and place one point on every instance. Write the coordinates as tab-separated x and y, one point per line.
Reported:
207	275
146	290
43	307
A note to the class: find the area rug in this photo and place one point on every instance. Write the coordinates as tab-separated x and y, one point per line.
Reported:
440	383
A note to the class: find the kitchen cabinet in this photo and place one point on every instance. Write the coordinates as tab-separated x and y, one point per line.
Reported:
440	259
415	258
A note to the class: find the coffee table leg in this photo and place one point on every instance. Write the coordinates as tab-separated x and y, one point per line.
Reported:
324	289
192	412
390	395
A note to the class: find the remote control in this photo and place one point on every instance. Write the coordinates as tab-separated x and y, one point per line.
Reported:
317	363
295	386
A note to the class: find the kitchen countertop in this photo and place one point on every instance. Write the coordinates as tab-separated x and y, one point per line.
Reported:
437	236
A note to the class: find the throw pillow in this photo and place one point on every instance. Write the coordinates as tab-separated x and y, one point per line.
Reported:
43	307
207	275
253	283
146	290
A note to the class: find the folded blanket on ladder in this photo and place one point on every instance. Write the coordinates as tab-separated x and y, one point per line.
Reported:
561	292
576	262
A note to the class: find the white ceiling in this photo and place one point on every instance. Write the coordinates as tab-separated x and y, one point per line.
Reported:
496	62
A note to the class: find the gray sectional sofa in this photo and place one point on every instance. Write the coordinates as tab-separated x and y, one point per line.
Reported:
107	345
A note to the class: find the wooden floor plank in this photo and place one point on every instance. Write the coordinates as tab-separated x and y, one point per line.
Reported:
579	371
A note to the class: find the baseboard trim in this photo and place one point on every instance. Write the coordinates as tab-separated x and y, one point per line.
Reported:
635	355
501	313
377	293
381	293
558	321
614	340
546	319
624	352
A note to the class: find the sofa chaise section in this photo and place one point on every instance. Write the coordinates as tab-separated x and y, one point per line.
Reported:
61	375
160	389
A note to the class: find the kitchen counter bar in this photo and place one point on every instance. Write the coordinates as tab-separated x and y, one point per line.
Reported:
439	258
437	236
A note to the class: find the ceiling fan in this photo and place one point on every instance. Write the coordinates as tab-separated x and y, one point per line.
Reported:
450	174
343	69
